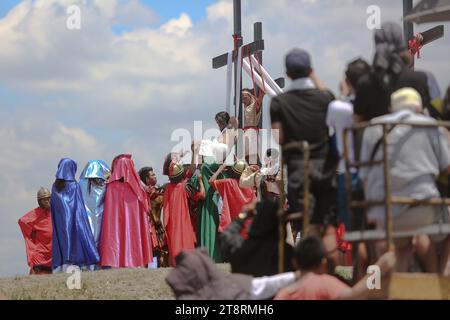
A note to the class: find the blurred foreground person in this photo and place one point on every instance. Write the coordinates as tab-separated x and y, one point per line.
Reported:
446	105
390	72
416	158
36	228
257	254
315	284
196	277
299	115
340	117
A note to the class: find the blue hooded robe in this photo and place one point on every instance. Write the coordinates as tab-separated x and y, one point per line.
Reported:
73	242
94	194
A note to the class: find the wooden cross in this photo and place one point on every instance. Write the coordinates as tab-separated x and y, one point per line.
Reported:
254	48
428	36
257	36
408	27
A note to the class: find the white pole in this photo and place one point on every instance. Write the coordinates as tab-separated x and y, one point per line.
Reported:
238	87
229	81
258	80
267	78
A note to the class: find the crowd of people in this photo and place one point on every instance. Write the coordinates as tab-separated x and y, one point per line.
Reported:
118	217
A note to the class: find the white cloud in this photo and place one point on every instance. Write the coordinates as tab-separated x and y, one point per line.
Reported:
178	26
220	10
132	14
109	7
64	138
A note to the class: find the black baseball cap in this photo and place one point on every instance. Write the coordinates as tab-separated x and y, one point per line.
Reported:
298	61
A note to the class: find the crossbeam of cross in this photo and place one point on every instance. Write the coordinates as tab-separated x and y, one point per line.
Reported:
426	37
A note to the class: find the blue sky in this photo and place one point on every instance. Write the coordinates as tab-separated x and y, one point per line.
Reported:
6	5
165	9
168	9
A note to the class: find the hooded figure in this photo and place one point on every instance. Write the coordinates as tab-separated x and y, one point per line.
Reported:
196	277
391	71
93	187
389	43
125	237
73	243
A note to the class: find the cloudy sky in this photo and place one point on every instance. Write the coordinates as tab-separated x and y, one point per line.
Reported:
136	71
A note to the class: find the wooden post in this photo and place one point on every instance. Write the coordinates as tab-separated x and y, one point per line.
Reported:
348	177
387	191
281	220
238	44
305	189
408	27
258	35
348	190
237	20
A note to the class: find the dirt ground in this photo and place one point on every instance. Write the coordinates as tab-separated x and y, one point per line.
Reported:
118	284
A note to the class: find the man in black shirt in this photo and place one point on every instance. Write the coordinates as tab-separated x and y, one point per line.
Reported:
390	72
300	115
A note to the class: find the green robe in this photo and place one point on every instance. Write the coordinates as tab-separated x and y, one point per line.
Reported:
195	207
208	221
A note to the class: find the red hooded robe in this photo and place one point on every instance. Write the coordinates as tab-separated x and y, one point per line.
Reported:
125	238
177	220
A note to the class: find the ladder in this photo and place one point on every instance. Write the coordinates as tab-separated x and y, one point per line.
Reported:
402	285
283	218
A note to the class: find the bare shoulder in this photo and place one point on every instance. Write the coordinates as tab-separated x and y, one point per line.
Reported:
287	291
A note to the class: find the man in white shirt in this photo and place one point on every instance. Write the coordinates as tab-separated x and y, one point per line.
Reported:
416	158
339	117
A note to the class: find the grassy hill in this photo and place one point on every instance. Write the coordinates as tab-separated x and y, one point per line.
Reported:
118	284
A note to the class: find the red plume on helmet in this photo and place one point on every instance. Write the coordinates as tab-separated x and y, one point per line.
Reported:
172	168
167	162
